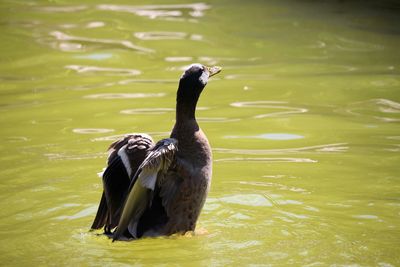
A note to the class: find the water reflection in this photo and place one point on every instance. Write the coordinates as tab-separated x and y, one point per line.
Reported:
62	9
381	109
119	136
270	136
329	148
209	60
89	211
92	130
124	95
17	139
178	59
116	71
270	105
128	81
266	160
152	111
346	44
66	156
67	46
95	24
172	11
277	186
51	121
395	148
167	36
253	77
293	215
367	217
216	119
147	111
254	200
96	56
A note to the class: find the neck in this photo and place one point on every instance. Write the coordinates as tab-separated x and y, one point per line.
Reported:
185	111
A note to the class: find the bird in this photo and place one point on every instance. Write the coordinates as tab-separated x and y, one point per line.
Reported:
159	189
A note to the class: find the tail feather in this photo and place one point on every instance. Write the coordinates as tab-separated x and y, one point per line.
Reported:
102	214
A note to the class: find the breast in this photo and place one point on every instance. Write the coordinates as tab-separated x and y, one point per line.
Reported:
187	204
194	171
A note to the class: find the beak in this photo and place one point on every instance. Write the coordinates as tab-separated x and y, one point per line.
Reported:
213	70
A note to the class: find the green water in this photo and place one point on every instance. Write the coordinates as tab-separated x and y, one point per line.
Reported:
303	121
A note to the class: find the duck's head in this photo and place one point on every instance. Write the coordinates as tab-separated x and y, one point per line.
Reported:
193	81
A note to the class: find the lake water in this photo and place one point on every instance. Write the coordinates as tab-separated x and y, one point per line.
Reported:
303	121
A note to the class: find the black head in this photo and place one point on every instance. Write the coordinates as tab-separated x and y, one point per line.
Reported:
193	81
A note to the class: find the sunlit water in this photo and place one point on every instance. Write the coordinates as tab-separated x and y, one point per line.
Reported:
303	121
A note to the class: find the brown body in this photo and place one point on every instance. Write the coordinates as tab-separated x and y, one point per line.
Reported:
194	170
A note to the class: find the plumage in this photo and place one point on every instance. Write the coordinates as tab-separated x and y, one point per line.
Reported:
159	189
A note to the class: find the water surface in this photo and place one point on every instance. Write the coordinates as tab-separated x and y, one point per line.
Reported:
303	121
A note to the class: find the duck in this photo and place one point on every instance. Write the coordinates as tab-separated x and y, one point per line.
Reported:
159	189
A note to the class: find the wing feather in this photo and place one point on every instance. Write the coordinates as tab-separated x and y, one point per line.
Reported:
125	157
143	185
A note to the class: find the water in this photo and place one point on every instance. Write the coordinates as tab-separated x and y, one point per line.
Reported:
303	121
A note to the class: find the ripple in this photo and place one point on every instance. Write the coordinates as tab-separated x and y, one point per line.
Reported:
244	245
113	138
216	119
148	111
346	44
277	255
129	81
293	215
178	59
167	36
124	95
280	136
194	10
160	35
95	24
92	130
338	147
64	156
17	139
340	205
83	213
357	46
268	160
260	77
366	217
83	69
62	9
60	36
394	148
208	59
254	200
270	105
65	46
277	185
288	202
393	137
270	136
51	121
240	216
381	109
96	56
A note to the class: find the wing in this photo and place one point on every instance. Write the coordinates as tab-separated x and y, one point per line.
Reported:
125	157
143	184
